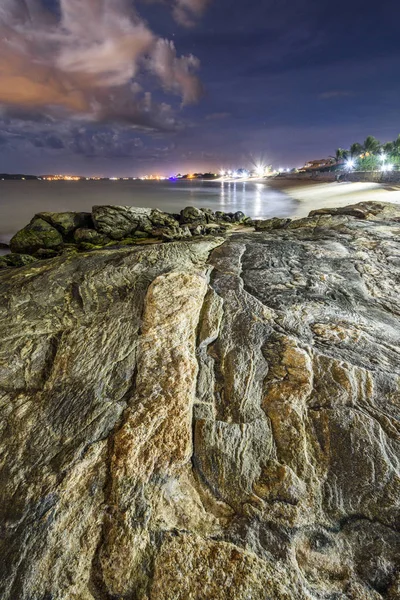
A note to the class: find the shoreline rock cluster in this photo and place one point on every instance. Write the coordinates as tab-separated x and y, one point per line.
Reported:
50	234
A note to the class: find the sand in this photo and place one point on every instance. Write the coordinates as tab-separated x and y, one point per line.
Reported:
314	194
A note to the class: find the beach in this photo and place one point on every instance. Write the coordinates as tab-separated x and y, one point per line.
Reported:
312	194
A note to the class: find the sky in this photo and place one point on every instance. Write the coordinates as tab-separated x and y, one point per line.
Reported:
128	88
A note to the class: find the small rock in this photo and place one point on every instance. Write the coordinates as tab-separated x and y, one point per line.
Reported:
238	216
16	260
274	223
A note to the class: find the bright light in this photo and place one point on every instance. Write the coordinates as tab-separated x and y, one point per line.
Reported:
222	173
350	164
287	170
383	157
244	174
387	167
260	170
229	172
235	174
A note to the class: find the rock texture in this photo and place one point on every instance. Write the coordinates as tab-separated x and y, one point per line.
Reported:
206	419
50	234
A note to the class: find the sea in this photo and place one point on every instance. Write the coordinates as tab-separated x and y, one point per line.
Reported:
20	200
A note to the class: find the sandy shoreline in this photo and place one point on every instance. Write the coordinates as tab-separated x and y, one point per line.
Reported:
315	194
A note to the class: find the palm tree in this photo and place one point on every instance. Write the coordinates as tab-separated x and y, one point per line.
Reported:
371	145
341	154
388	147
355	149
396	146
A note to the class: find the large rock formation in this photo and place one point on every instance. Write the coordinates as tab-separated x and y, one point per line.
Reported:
206	419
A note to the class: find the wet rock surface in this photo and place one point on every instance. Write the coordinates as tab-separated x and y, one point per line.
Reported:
208	418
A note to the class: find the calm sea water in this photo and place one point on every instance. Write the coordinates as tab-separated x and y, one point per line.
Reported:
20	200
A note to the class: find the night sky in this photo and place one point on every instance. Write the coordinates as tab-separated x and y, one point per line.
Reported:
113	87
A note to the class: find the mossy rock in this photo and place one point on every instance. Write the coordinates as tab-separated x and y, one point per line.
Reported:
67	222
90	236
9	261
36	236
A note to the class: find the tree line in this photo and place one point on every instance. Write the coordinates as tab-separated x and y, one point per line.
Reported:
371	155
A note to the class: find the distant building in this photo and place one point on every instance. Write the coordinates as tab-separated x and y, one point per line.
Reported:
321	163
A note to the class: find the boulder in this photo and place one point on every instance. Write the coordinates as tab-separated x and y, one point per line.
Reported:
118	222
162	219
90	236
222	216
268	224
67	222
192	215
39	234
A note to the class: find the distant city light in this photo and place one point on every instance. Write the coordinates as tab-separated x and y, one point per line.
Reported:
222	173
235	174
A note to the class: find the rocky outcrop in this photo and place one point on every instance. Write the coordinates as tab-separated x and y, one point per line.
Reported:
50	234
209	418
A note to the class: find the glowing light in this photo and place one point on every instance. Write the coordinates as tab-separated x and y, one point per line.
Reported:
388	167
229	173
235	174
191	176
260	170
244	174
350	164
383	157
222	173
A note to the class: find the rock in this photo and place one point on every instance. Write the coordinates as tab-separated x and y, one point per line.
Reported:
210	216
193	215
171	234
238	216
4	246
36	236
372	211
274	223
224	217
209	418
162	219
118	222
66	223
16	260
90	236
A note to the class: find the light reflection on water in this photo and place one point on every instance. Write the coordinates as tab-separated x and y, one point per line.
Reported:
20	200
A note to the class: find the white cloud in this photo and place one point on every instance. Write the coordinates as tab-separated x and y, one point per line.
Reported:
86	61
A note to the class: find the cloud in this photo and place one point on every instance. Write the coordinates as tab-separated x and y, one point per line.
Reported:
176	74
187	11
85	62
